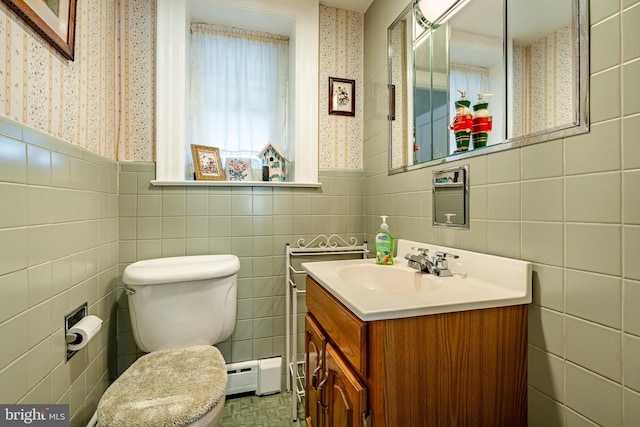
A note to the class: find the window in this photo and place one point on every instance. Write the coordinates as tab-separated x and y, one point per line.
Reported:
239	91
300	18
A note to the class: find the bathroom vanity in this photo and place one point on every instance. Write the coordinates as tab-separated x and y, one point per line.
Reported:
448	366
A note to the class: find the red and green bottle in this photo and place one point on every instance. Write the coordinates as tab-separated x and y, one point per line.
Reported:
482	122
462	123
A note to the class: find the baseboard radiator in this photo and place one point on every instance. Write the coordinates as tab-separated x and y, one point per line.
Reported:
261	376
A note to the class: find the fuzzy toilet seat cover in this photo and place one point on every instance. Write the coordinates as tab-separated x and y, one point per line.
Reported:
165	388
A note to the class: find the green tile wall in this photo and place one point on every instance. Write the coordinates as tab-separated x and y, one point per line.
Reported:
58	250
253	223
569	206
71	222
77	219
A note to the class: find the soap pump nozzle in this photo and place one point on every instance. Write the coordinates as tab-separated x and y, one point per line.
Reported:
481	97
384	226
463	102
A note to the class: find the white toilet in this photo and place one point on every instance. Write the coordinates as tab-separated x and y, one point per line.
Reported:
179	308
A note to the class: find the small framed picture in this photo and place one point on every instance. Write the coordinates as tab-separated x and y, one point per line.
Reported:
342	96
238	169
206	163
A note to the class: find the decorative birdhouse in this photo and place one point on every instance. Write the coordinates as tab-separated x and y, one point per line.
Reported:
273	164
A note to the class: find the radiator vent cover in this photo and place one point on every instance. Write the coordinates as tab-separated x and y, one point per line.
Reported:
261	376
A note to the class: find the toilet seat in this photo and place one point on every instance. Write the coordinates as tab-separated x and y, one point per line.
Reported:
172	387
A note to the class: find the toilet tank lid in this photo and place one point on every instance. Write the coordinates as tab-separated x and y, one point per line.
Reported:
180	269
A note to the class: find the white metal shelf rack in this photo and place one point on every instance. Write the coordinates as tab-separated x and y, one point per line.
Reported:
319	245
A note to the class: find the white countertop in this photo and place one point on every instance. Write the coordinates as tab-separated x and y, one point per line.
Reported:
481	281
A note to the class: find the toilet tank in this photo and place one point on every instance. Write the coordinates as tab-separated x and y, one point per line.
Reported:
182	301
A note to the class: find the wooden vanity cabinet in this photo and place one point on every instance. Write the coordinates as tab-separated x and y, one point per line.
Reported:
465	368
335	395
346	396
314	343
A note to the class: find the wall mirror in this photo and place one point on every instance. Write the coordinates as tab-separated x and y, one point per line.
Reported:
451	197
497	74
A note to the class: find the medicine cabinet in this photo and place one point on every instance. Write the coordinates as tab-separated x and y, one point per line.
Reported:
529	59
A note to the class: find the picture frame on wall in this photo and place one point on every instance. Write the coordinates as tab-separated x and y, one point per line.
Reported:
342	96
54	20
206	163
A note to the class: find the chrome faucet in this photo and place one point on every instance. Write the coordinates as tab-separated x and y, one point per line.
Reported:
441	265
420	262
438	266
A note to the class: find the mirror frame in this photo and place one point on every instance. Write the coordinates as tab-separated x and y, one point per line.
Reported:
580	10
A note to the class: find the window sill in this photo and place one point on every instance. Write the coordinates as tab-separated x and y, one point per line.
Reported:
236	184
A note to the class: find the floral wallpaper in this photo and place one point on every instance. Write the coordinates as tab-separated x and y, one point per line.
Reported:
137	105
104	99
341	55
71	100
546	101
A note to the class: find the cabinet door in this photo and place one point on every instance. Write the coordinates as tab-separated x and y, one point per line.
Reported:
314	343
345	397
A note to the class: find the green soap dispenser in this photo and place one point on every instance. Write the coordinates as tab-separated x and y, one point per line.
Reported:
384	244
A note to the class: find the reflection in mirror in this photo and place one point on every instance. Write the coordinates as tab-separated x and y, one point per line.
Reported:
400	75
542	92
451	197
524	86
477	70
418	84
430	92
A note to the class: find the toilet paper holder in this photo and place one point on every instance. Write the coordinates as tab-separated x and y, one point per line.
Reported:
69	321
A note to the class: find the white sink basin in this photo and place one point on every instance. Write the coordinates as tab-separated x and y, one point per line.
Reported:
376	292
390	279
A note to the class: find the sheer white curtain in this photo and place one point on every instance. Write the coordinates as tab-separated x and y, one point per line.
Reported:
472	80
239	90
